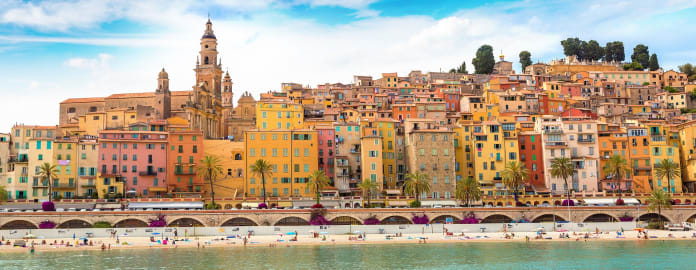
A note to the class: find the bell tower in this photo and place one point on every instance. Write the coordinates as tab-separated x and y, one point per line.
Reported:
227	95
163	97
208	71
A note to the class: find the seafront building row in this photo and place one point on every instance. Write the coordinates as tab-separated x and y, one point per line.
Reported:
450	126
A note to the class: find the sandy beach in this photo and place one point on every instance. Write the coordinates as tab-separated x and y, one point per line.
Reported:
282	241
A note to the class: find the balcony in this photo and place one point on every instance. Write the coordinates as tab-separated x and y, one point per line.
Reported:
497	178
556	144
657	138
355	151
642	168
39	185
88	185
586	140
553	131
64	185
148	173
22	159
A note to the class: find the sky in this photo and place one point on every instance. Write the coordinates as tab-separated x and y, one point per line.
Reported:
54	50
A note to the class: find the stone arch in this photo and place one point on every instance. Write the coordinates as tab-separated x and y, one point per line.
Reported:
648	217
497	218
292	221
228	206
691	219
345	220
545	202
600	217
443	219
392	220
536	203
186	222
557	203
687	201
131	223
499	204
347	205
238	206
75	224
18	224
547	218
238	221
357	205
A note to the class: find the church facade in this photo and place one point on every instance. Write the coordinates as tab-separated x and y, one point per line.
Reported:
204	107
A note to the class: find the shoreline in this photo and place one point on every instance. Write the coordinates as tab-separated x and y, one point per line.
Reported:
275	241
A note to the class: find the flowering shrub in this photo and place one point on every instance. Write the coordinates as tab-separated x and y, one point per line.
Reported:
566	202
159	221
420	219
371	221
47	225
263	206
625	219
414	204
317	217
619	201
48	206
470	219
518	204
318	205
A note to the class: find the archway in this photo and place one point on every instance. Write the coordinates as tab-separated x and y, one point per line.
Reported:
395	220
536	203
75	224
345	220
557	203
497	218
239	221
228	206
131	223
677	201
238	206
185	222
601	217
652	217
356	205
691	219
292	221
547	218
443	219
687	201
347	205
18	225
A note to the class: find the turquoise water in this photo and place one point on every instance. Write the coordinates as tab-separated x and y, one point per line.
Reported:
534	255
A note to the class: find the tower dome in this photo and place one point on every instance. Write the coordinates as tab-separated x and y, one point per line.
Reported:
208	30
163	74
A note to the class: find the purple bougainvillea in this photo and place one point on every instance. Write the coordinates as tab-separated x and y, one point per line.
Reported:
318	220
318	205
160	221
263	206
48	206
625	219
47	225
470	219
371	221
420	219
566	201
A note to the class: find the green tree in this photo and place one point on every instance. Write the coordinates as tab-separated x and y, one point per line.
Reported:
484	61
468	190
614	51
461	68
593	51
641	55
514	175
667	169
3	194
659	199
368	188
563	168
653	64
633	66
688	69
617	167
262	168
670	89
47	172
572	46
525	59
417	184
317	182
209	168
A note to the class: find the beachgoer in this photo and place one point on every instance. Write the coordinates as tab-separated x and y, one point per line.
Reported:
32	249
103	247
176	233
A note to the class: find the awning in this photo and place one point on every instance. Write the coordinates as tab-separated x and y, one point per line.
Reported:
157	189
397	203
285	204
108	206
442	203
250	205
312	202
393	191
609	201
165	205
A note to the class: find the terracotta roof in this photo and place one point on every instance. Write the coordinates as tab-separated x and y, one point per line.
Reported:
181	93
83	100
132	95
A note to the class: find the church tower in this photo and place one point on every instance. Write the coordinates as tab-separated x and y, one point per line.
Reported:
227	95
209	70
163	97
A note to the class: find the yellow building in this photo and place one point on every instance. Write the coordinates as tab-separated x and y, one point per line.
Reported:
65	158
371	158
664	144
293	155
231	154
464	160
271	115
40	152
687	144
385	129
494	145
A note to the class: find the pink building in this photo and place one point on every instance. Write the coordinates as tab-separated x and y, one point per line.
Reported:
139	158
326	150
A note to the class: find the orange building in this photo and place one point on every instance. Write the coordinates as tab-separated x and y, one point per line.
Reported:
184	154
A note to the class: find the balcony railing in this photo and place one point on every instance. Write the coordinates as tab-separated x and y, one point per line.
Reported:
556	144
148	173
63	185
553	131
586	140
657	138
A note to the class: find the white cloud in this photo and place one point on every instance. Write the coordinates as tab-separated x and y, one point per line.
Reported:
101	61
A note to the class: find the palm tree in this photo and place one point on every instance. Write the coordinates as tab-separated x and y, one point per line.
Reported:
514	176
368	187
468	190
416	184
667	169
317	181
563	167
209	168
617	167
3	194
263	169
657	200
47	172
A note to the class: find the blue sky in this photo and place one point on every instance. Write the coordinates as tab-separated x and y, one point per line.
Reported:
53	50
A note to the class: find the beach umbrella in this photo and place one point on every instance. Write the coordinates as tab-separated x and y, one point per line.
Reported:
83	238
30	236
356	232
230	236
540	229
291	233
323	233
155	233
